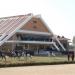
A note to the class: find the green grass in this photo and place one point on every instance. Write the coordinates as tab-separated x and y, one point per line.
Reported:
33	59
48	59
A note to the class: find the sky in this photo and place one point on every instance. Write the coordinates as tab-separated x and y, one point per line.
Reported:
58	14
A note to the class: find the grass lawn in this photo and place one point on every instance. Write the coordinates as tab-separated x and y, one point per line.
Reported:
48	59
33	59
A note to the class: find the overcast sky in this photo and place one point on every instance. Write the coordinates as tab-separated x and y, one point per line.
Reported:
58	14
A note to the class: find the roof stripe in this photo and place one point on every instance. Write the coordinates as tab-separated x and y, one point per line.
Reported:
10	24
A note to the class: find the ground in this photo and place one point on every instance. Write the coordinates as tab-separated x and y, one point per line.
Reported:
68	69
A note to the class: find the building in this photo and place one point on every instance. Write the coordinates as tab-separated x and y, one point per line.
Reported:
73	43
65	41
27	32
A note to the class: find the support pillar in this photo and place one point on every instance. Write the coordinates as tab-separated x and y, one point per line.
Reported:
28	46
37	49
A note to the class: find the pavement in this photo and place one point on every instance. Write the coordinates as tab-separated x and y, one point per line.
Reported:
68	69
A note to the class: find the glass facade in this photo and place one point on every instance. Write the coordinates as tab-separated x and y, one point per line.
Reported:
25	37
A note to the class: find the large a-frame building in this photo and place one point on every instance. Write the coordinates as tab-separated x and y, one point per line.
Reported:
27	31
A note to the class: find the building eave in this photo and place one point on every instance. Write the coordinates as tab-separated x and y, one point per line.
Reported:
33	32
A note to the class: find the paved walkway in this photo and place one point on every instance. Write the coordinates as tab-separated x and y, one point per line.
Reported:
40	70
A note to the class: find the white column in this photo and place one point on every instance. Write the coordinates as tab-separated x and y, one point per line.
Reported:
38	49
28	46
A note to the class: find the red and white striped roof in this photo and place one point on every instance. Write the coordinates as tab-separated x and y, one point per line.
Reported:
8	24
